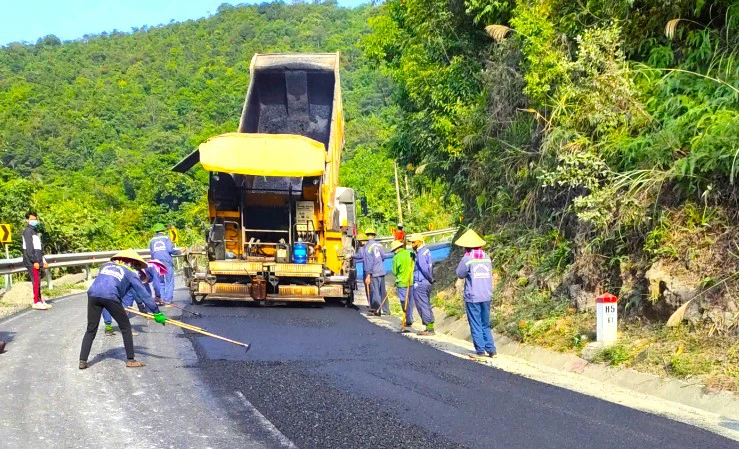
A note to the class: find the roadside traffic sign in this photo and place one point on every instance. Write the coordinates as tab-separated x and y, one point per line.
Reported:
174	236
5	236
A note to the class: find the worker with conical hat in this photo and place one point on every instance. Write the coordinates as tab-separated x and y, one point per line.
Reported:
477	271
374	274
403	272
115	279
162	249
151	275
423	278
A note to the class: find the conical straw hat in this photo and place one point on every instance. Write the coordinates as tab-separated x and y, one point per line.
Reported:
470	239
133	256
158	266
395	245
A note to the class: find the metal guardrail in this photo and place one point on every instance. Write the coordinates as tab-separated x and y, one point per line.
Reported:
15	266
433	235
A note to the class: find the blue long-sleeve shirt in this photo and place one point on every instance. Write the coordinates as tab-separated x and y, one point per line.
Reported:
115	280
161	249
478	278
424	269
372	262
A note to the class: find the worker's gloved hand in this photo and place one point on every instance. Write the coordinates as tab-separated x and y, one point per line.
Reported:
160	318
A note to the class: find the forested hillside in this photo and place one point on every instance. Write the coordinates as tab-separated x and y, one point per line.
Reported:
90	128
595	143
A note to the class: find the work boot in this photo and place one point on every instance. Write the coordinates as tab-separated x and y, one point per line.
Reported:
428	332
134	364
83	364
109	330
406	330
478	356
492	354
371	312
39	306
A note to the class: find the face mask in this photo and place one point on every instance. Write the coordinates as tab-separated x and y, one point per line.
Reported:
33	223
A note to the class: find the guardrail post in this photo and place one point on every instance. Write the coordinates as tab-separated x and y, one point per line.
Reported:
8	277
87	272
49	283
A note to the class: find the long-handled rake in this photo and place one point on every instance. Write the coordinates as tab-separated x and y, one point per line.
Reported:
190	327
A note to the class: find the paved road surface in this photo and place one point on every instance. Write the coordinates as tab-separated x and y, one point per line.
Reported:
315	378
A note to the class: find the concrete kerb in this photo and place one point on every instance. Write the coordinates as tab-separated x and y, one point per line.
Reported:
671	398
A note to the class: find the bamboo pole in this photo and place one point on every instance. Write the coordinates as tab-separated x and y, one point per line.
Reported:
407	193
190	327
397	192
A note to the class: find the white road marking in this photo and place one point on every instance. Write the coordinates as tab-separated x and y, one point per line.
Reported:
266	424
18	316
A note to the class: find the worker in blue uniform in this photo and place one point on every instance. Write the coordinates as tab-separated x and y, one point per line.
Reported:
477	271
359	257
114	280
423	277
374	274
149	276
162	249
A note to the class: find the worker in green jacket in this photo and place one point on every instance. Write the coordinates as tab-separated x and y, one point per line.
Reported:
403	272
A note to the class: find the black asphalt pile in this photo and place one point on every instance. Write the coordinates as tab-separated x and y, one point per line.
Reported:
296	103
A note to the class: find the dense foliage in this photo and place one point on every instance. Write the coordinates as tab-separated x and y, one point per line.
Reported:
90	128
588	139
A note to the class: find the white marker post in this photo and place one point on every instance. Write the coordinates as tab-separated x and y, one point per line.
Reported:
606	311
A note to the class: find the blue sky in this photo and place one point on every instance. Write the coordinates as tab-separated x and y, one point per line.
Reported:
28	20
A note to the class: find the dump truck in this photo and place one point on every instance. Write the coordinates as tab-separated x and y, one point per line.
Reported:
281	229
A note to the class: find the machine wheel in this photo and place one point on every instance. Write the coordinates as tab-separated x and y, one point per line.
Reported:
350	300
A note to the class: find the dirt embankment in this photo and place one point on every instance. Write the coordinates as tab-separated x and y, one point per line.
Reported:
20	295
552	305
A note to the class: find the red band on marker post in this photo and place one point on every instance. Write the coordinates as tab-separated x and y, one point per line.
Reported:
606	298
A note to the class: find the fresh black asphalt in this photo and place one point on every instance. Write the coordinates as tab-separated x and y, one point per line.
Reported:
328	378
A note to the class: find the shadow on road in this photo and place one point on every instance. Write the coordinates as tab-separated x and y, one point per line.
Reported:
6	337
119	353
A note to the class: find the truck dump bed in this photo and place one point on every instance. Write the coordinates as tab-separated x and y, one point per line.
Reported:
290	94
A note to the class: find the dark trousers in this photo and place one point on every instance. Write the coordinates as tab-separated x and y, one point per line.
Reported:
95	307
403	293
378	294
